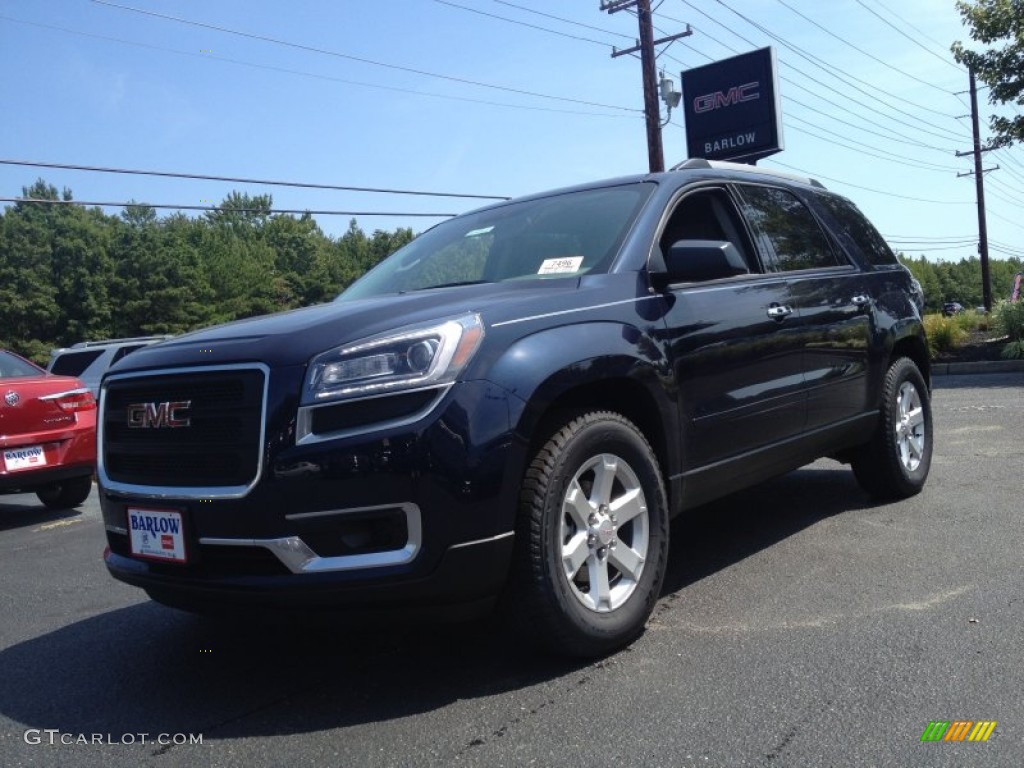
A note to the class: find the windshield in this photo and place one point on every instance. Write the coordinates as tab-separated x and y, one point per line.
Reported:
564	235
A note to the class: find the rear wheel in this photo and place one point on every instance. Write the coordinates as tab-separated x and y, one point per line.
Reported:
69	493
592	537
894	464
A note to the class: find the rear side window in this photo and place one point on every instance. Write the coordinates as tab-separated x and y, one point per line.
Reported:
851	222
124	351
74	363
786	230
12	367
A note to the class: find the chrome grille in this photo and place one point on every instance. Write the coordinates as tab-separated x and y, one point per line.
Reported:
220	448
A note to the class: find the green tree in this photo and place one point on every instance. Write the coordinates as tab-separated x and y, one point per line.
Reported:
68	274
998	24
29	309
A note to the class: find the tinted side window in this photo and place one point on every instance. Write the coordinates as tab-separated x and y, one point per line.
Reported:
73	363
124	351
786	231
851	222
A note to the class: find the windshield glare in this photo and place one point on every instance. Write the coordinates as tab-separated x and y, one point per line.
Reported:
564	235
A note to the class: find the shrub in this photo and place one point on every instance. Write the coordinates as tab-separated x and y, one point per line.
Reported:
1009	319
1014	350
944	333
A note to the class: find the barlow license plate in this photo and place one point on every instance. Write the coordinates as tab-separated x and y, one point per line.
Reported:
24	458
157	534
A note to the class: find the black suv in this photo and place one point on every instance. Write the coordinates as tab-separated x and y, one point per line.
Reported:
514	405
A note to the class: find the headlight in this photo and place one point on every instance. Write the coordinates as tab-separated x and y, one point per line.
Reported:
416	357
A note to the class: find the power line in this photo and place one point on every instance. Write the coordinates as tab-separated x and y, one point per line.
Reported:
905	139
947	240
915	42
899	138
919	31
520	23
825	65
242	180
871	56
565	21
930	248
817	94
891	134
84	203
869	189
879	154
330	78
360	59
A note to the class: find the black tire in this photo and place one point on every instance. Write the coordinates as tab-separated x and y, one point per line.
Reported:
624	536
66	494
894	464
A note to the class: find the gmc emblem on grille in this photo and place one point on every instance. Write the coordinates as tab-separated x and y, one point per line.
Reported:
172	414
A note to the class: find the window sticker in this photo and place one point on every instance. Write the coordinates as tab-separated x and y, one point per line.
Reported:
477	232
560	266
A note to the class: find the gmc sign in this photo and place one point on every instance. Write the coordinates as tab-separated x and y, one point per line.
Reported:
732	108
736	95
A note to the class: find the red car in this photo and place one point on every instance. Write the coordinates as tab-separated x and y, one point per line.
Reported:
47	434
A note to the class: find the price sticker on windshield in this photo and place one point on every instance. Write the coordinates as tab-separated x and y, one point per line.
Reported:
561	266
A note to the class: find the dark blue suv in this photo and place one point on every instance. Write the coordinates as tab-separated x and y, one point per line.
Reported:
513	407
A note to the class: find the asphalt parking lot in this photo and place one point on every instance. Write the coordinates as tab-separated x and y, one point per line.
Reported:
800	625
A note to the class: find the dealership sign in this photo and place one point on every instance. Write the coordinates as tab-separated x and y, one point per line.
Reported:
732	108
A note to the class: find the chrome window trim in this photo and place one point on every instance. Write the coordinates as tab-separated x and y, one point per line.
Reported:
178	491
304	434
299	558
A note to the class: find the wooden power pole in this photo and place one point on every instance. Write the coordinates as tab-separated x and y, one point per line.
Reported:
979	182
646	44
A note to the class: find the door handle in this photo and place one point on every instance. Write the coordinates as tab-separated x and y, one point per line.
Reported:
779	311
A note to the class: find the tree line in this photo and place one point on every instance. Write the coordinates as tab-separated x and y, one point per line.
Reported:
70	273
944	281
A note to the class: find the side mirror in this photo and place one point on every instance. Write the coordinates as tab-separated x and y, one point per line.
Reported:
693	261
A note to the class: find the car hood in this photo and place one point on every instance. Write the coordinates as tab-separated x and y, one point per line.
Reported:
292	338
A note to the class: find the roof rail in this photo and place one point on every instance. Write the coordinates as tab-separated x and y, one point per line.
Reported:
128	340
699	163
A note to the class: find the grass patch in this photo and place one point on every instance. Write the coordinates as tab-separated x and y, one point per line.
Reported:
973	321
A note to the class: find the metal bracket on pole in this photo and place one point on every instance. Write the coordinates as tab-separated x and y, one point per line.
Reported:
637	47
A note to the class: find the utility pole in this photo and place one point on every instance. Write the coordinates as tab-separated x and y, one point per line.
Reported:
646	44
979	181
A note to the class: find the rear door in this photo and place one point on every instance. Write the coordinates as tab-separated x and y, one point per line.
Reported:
831	296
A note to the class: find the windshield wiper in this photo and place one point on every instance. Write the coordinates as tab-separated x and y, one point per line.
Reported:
449	285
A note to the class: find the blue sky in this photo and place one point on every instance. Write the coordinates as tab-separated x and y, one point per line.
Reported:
92	83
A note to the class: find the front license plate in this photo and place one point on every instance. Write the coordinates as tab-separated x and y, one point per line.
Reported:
157	534
28	457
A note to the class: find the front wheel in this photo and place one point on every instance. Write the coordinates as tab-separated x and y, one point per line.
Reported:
592	537
894	464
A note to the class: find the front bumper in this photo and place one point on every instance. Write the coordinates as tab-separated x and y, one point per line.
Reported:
419	513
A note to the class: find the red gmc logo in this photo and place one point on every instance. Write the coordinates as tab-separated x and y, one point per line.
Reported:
735	95
173	413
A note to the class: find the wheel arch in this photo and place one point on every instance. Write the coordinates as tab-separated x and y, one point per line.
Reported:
915	348
604	365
